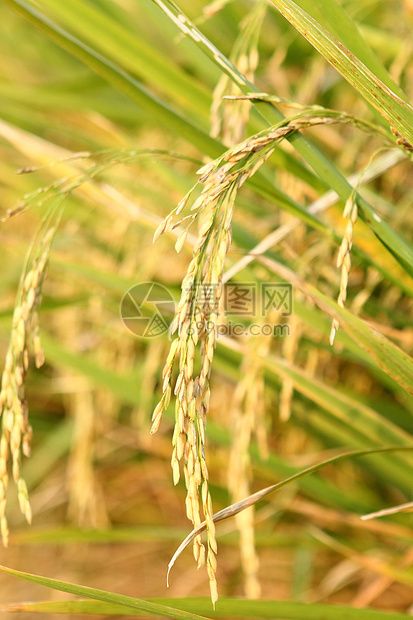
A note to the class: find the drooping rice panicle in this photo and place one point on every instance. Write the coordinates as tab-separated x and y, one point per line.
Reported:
197	318
16	432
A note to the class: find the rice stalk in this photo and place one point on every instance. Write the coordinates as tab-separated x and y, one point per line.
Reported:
248	420
343	257
359	123
230	122
198	315
73	169
83	503
16	431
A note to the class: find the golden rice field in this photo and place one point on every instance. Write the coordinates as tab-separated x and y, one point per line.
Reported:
206	309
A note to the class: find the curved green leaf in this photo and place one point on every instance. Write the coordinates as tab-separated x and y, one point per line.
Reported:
247	502
396	111
128	602
225	608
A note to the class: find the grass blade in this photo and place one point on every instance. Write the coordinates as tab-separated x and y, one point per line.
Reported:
234	509
396	111
226	607
139	57
140	605
119	78
334	18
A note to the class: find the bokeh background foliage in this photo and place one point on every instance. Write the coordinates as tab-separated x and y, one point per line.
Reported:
110	109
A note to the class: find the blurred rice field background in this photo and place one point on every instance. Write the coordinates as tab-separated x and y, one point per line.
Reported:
107	111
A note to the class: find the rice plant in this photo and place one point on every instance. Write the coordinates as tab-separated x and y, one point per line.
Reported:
252	366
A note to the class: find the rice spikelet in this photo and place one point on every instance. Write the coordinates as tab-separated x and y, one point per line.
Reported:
343	257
